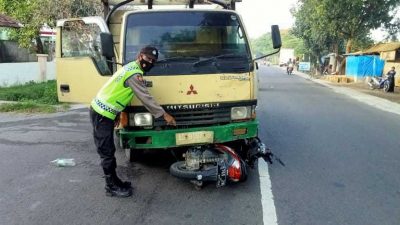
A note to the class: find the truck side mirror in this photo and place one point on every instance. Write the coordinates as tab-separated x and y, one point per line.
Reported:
107	45
276	36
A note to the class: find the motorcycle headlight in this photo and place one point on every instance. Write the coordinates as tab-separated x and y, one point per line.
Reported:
240	113
140	119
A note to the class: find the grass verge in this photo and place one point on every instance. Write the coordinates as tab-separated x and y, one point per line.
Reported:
31	98
27	107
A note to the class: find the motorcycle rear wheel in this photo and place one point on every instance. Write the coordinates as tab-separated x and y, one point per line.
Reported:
178	169
386	86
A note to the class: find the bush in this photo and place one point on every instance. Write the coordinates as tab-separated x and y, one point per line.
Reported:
43	93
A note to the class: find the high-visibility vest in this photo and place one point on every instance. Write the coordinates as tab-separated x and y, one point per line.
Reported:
113	97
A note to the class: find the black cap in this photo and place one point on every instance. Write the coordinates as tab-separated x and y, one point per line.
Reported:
150	51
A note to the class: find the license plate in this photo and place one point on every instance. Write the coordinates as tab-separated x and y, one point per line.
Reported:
196	137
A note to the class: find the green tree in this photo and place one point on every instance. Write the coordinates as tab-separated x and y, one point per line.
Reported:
353	19
311	26
263	44
324	24
25	13
33	14
289	40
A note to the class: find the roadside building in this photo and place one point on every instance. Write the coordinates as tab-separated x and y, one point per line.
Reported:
6	21
9	49
375	61
6	25
48	37
365	65
20	65
390	52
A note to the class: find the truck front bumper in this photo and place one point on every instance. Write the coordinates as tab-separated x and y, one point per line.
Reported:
152	139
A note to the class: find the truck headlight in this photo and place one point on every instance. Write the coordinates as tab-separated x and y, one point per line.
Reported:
140	119
240	113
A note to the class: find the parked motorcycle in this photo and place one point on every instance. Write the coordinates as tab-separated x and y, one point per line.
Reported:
380	83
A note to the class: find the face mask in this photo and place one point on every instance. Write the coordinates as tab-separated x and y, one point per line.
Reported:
146	66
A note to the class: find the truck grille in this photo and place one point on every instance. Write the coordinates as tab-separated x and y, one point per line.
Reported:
199	117
200	114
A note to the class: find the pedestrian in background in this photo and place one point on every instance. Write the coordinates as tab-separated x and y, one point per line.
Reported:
391	73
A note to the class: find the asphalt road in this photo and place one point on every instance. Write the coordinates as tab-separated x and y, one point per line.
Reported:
35	192
341	161
342	156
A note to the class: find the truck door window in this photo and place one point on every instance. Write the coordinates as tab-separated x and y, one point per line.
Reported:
79	39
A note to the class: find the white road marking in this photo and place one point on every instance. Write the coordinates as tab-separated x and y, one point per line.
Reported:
267	198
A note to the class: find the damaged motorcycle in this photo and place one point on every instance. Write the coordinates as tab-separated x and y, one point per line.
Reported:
220	163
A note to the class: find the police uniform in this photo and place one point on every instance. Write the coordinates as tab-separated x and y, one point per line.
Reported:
112	99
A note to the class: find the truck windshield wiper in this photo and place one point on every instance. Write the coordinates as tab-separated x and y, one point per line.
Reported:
214	58
177	59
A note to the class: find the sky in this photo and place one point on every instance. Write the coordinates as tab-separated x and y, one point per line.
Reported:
259	15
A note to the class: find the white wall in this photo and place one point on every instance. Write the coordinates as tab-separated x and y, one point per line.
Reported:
19	73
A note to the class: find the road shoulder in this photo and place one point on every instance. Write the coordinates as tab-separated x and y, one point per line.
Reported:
355	93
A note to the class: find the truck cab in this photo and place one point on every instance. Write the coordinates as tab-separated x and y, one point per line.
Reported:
205	75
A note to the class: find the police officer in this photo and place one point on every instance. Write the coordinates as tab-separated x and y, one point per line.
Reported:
112	98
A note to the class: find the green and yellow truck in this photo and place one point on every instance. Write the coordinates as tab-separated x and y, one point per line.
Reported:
205	75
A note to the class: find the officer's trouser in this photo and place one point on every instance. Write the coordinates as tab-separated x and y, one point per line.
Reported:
103	133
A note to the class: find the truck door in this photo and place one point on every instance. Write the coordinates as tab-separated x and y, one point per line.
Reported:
80	68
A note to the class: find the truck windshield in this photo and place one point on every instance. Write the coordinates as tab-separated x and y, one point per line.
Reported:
189	42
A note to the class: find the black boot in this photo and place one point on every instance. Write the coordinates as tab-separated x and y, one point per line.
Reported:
113	188
119	182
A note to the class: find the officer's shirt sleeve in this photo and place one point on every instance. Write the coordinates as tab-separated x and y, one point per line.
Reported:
137	84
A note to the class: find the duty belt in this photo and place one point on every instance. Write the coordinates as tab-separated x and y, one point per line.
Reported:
105	107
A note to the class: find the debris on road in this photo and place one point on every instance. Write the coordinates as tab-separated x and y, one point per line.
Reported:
63	162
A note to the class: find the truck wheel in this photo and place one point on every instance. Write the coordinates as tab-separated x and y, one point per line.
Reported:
133	155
